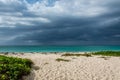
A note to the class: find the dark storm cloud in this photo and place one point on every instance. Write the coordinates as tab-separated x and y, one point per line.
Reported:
33	24
67	34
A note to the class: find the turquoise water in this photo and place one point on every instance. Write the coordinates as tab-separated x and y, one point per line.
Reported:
58	48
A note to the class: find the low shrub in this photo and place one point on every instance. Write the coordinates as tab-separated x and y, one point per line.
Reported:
107	53
12	68
60	59
68	54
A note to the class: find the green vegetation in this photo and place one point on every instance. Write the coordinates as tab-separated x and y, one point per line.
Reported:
60	59
107	53
68	54
103	53
12	68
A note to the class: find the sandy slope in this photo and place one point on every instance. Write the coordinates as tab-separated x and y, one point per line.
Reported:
79	68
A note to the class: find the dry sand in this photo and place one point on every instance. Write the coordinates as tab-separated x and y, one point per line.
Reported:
78	68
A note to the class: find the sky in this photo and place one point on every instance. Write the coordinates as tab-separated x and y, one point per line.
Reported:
59	22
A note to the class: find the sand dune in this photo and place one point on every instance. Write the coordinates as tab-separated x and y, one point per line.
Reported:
78	68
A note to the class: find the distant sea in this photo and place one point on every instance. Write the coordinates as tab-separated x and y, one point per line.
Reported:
58	48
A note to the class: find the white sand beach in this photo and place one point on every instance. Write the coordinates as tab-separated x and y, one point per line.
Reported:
78	68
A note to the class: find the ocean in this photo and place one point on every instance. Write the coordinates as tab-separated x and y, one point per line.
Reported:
58	48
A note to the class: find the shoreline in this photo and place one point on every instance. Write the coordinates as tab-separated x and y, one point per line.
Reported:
46	67
6	53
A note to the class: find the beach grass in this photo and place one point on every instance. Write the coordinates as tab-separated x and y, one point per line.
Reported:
68	54
107	53
12	68
61	59
102	53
